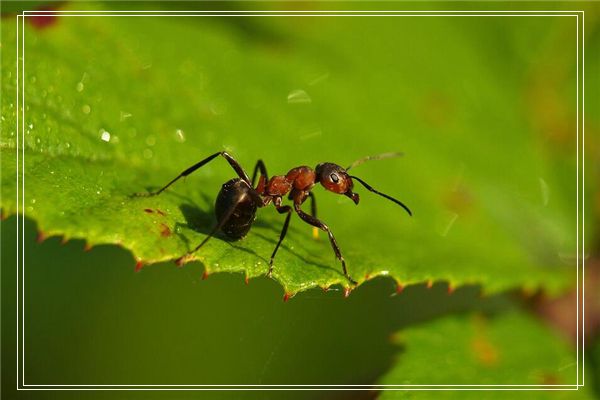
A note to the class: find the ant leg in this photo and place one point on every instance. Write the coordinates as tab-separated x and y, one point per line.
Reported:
315	222
181	260
234	164
260	165
281	210
313	212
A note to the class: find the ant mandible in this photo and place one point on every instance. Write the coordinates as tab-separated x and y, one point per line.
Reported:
239	199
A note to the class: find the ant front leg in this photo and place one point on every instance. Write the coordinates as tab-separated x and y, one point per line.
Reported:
280	210
234	164
313	212
318	224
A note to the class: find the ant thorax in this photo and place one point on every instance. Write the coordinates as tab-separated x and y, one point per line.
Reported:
299	178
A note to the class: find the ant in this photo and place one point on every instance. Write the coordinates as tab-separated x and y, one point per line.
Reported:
239	198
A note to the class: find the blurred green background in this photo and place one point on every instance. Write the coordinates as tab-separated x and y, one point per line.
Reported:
484	109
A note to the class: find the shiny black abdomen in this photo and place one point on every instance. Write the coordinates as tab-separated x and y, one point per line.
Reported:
244	214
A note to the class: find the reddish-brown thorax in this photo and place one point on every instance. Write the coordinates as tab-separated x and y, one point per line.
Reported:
299	178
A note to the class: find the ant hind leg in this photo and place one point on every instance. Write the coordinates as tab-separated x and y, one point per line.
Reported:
280	210
185	258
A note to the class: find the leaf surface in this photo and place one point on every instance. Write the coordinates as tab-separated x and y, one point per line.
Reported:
493	196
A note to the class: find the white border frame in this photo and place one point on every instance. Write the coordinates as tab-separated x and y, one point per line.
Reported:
355	13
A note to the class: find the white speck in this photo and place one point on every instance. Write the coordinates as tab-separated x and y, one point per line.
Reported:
298	96
32	201
79	87
150	140
30	126
319	79
51	172
147	153
385	272
450	223
311	135
124	115
86	109
97	192
180	135
545	191
68	145
104	135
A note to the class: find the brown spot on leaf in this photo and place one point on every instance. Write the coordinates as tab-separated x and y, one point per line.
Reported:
165	231
148	210
436	109
160	212
483	349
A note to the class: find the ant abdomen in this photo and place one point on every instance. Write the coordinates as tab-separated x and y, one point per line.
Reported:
234	198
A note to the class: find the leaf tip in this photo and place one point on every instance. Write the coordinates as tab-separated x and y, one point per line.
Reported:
399	288
287	296
429	284
205	275
138	266
451	288
347	292
87	247
41	236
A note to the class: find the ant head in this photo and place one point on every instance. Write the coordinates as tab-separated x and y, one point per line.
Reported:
335	179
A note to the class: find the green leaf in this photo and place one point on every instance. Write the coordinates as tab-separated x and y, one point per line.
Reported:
508	349
118	105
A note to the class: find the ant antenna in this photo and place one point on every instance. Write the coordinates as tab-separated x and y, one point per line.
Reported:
370	188
377	157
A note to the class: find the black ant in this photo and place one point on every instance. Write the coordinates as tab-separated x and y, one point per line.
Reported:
238	199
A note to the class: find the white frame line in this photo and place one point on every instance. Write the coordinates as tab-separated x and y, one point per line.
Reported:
294	13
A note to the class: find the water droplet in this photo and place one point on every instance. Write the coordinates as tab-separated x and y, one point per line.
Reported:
124	115
180	136
147	153
86	109
104	135
298	96
150	140
79	87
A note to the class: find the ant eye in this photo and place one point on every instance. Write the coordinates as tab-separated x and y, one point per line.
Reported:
334	178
